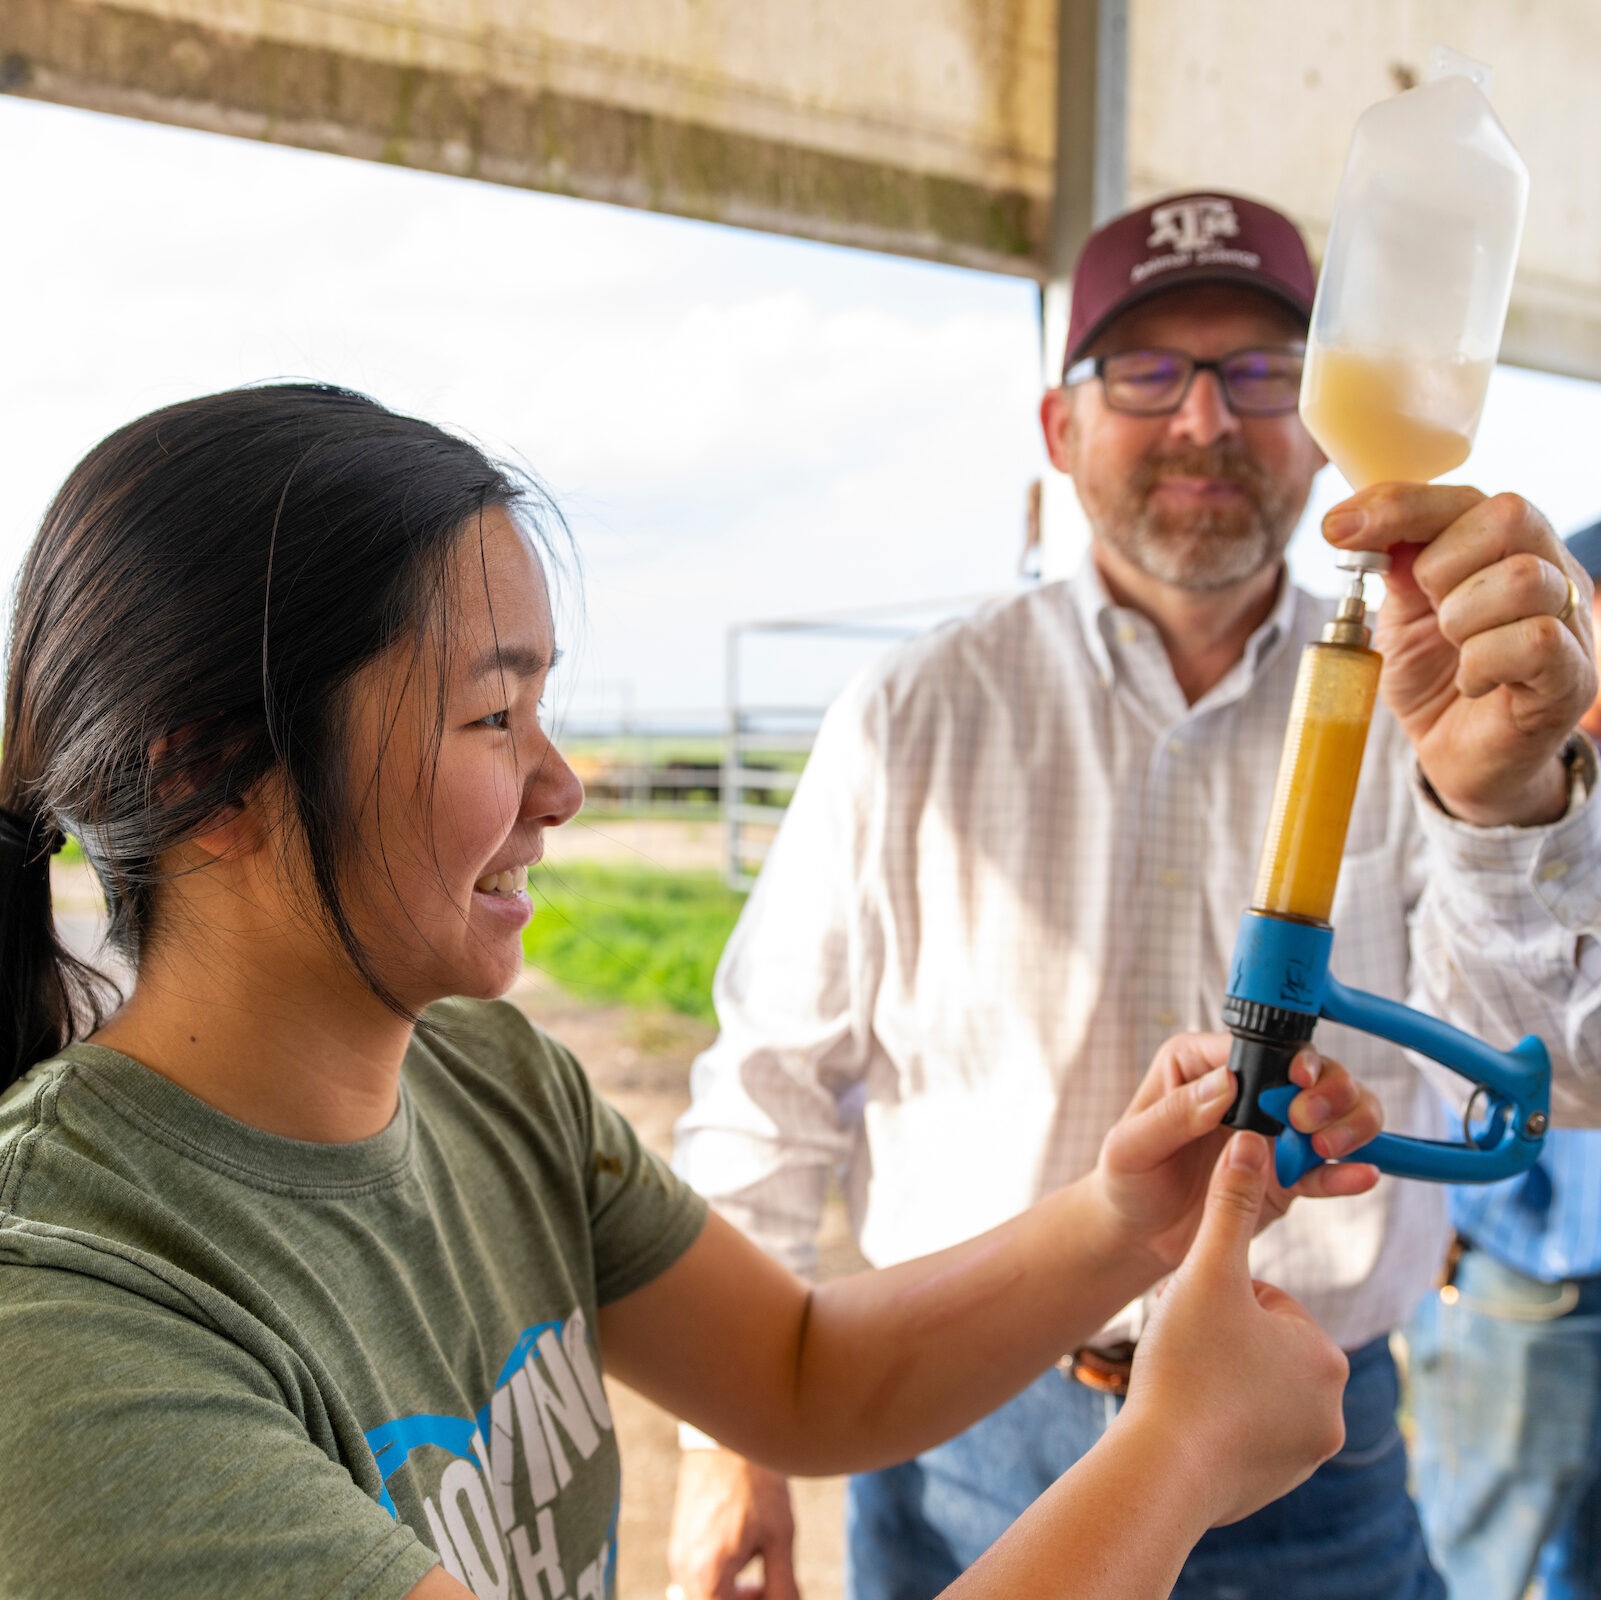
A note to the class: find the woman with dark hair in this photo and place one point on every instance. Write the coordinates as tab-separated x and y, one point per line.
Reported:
310	1250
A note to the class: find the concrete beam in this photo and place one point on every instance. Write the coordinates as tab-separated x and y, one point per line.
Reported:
469	104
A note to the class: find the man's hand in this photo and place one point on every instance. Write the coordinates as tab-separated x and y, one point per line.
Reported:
1483	673
1158	1158
727	1511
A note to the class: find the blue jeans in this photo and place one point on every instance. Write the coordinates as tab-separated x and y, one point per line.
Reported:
1349	1531
1509	1434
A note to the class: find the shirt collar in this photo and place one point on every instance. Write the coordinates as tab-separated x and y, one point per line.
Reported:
1099	617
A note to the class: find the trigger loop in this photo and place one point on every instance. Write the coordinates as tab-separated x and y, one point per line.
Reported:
1467	1114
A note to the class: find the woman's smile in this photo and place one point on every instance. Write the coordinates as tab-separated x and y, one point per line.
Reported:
510	881
504	896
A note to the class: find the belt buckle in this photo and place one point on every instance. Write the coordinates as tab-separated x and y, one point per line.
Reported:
1104	1368
1446	1282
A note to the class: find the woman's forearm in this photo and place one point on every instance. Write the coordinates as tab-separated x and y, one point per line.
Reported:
894	1361
1117	1526
871	1369
876	1368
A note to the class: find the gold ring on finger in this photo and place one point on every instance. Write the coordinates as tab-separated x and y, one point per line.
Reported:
1570	604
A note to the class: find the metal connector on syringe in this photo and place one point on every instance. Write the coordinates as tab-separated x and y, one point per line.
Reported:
1350	626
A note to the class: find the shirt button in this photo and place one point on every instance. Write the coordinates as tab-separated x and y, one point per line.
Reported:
1126	633
1170	878
1166	1018
1553	872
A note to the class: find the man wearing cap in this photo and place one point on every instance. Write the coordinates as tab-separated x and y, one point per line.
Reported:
1018	856
1506	1363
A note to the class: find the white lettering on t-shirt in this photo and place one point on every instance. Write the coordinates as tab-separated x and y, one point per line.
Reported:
560	1402
478	1545
502	1462
592	1580
442	1541
551	1400
541	1564
536	1453
575	1344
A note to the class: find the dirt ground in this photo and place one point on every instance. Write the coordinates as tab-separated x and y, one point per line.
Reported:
641	1064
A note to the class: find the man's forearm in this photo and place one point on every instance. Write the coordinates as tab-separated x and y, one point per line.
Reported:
1503	940
746	1146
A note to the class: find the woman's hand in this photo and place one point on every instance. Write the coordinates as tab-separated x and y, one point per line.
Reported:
1156	1160
1232	1373
1234	1400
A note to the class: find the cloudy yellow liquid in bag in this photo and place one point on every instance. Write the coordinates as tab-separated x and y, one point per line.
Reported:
1318	772
1392	418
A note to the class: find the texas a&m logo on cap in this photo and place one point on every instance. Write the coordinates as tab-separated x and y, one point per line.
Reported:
1189	231
1192	224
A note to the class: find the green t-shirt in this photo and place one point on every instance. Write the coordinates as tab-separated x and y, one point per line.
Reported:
236	1364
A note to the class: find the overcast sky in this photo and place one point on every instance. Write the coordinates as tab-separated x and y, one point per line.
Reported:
737	425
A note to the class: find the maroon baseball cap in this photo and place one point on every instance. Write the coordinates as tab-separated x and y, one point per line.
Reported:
1179	241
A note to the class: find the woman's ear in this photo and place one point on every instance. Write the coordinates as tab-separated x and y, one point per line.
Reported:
181	769
237	831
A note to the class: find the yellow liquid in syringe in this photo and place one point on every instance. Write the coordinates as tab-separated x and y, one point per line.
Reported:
1318	771
1391	418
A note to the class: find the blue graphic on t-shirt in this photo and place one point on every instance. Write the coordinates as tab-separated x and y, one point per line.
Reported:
393	1442
549	1392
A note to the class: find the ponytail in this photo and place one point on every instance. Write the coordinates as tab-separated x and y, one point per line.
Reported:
45	991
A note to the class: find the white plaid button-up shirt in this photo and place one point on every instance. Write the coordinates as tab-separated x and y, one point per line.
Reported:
1016	863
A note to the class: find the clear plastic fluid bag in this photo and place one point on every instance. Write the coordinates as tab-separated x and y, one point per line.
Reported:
1416	279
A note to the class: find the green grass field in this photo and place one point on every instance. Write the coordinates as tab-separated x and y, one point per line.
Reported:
646	938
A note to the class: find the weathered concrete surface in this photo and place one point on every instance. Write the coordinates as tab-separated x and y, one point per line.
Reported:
923	127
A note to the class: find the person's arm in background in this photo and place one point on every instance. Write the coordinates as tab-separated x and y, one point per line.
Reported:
794	994
1488	682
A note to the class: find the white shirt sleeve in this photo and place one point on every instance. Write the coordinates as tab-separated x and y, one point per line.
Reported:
1507	941
773	1112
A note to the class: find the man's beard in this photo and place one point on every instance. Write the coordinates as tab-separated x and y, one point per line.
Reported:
1202	548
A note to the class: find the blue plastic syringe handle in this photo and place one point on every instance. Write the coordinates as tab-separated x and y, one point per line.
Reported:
1284	963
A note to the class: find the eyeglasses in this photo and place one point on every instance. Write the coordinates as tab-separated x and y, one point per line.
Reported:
1153	383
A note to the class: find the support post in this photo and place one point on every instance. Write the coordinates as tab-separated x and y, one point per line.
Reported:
733	760
1091	187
